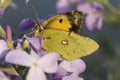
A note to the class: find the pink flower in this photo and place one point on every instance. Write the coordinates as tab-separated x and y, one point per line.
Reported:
8	32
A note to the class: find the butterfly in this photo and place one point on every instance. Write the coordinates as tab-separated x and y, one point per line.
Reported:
60	34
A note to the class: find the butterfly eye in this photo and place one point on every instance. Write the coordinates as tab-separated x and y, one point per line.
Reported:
60	20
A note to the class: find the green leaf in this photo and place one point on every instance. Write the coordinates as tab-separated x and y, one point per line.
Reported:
2	32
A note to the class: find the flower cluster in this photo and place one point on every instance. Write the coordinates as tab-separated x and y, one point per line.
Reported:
27	52
24	58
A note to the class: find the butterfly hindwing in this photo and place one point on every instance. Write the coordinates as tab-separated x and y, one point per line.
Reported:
70	47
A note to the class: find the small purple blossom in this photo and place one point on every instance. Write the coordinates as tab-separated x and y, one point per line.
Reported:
62	6
69	70
26	24
26	1
94	17
2	11
38	64
83	6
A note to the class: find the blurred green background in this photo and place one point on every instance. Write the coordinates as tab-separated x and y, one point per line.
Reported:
102	65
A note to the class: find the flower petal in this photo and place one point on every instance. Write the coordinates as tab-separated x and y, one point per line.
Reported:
97	6
26	24
72	77
3	76
19	57
8	32
99	22
26	1
62	6
35	42
84	7
90	21
76	66
3	48
36	74
2	11
59	74
49	62
94	19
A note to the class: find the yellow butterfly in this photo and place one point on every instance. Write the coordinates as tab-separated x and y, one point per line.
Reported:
56	37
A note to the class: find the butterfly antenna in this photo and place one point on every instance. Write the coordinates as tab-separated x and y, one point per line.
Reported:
36	14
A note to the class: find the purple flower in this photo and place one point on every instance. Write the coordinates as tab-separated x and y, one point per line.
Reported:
83	6
26	24
3	49
36	44
62	6
2	11
26	1
38	64
94	17
69	70
65	5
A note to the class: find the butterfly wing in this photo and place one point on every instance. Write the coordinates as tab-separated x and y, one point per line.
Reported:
69	21
70	47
